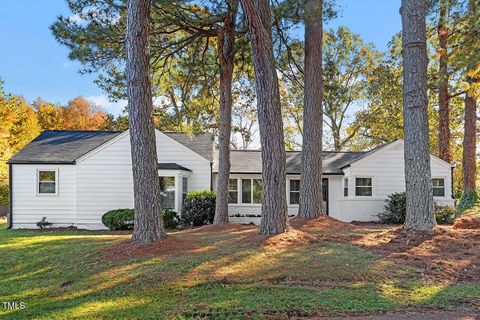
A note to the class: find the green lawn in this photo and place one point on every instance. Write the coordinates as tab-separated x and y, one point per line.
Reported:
66	274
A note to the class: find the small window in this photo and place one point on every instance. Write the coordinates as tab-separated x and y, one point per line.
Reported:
345	187
233	191
363	187
246	191
47	182
438	187
294	191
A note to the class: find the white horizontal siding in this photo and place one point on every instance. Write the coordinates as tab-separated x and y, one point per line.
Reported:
386	167
105	182
28	207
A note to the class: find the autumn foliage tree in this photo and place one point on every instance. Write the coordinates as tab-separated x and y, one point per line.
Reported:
19	125
79	114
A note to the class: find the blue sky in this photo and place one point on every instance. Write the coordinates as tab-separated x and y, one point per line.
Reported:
33	64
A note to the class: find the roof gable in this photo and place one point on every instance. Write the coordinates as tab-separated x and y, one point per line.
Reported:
201	143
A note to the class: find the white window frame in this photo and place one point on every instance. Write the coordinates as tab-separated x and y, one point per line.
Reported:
444	187
346	185
240	188
289	190
38	183
236	190
355	186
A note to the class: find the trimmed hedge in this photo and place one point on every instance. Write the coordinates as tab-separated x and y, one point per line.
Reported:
119	219
123	219
199	208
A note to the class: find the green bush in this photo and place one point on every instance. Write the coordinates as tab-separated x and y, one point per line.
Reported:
445	214
119	219
4	195
198	208
43	224
468	201
170	218
123	219
396	211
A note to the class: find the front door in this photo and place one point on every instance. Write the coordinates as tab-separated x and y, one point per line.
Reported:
325	195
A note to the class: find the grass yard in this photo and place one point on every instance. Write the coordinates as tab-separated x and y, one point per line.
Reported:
316	269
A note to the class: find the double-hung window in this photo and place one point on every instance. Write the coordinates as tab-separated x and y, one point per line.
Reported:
184	188
233	191
294	191
167	190
345	187
438	187
252	191
47	182
363	187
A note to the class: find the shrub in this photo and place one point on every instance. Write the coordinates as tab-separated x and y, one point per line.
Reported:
445	214
123	219
4	195
43	224
468	201
119	219
395	209
170	218
199	208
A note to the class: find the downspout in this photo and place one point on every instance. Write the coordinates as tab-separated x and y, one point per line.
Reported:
211	176
10	197
452	184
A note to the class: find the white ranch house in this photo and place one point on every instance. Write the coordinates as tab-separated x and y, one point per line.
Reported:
74	177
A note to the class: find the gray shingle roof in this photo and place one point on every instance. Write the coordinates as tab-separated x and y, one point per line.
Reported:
171	166
61	146
201	143
250	161
66	146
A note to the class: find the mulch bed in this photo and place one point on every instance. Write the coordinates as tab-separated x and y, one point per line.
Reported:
468	222
447	255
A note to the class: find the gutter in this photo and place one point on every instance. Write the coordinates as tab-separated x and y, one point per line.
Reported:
10	195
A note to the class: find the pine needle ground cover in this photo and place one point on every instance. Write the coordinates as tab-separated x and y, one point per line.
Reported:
318	268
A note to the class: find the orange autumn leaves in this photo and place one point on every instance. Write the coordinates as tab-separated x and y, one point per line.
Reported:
21	122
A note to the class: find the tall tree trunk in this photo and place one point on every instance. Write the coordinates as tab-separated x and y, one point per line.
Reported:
148	220
469	160
274	203
311	177
444	151
226	46
418	178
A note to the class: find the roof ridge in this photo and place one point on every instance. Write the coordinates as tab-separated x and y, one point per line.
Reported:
292	151
73	130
